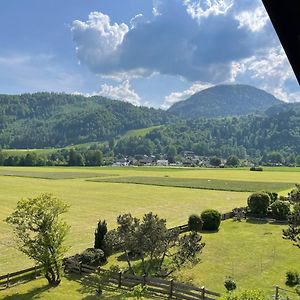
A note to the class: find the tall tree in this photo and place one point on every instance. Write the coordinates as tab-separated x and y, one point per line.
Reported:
293	232
100	233
41	233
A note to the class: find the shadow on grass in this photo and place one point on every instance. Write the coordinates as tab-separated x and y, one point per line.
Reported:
257	221
32	294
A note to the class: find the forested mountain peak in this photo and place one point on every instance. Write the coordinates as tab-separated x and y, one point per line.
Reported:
224	100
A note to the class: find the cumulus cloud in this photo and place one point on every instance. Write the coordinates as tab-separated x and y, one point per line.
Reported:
183	95
122	92
98	41
173	42
255	20
213	41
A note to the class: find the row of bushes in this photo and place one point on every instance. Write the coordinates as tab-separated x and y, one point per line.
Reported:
268	204
210	220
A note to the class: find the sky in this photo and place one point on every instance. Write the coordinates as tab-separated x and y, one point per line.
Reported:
151	53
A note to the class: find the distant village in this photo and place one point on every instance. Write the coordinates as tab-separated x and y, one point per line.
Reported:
189	159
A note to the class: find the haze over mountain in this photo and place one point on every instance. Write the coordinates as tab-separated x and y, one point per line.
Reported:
224	100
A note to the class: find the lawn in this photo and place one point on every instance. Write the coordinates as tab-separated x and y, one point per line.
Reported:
203	183
254	254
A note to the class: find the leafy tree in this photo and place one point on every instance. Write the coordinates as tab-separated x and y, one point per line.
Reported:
232	161
100	233
259	203
93	158
41	233
171	153
215	161
293	231
195	223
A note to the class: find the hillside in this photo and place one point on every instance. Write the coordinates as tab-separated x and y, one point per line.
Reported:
56	120
224	100
278	129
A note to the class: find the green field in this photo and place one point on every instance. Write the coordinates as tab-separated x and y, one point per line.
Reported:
208	184
254	254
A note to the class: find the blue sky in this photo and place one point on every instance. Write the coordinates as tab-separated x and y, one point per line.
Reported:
146	52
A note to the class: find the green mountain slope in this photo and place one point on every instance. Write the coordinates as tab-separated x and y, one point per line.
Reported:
56	120
224	100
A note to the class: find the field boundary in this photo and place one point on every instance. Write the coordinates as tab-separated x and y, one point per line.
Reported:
168	288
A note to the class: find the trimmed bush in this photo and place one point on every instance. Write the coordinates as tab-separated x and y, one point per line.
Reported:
292	278
258	169
280	210
195	223
92	256
229	284
100	233
259	203
211	219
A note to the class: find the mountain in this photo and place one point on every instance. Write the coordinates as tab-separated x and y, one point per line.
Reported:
224	100
55	120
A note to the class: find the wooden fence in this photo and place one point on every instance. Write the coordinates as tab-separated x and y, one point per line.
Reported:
19	277
31	273
168	288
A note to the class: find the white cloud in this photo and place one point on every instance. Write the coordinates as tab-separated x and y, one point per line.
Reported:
255	19
96	39
179	96
199	9
122	92
269	70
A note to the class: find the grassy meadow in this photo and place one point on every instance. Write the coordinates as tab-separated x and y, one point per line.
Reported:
255	254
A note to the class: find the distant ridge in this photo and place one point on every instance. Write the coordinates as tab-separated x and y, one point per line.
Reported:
224	100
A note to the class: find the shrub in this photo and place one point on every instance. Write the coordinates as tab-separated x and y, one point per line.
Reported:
100	233
195	223
229	284
246	295
258	169
259	203
292	278
280	209
92	256
273	196
297	289
211	219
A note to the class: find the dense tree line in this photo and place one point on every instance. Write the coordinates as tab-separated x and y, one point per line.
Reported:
56	120
272	138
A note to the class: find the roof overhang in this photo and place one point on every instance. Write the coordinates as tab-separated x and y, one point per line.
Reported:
285	16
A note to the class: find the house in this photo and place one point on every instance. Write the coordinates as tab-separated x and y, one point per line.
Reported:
147	161
121	163
162	162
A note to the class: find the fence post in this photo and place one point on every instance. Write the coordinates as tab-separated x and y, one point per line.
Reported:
7	280
171	289
119	279
144	279
276	292
203	293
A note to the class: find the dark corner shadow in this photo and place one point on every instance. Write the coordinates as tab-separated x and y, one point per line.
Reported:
29	295
257	221
122	257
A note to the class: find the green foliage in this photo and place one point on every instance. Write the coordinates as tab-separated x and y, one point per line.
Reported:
280	209
258	169
232	161
259	203
273	196
195	223
211	219
40	232
292	278
92	256
100	233
294	195
293	231
138	291
230	284
246	295
215	161
297	289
